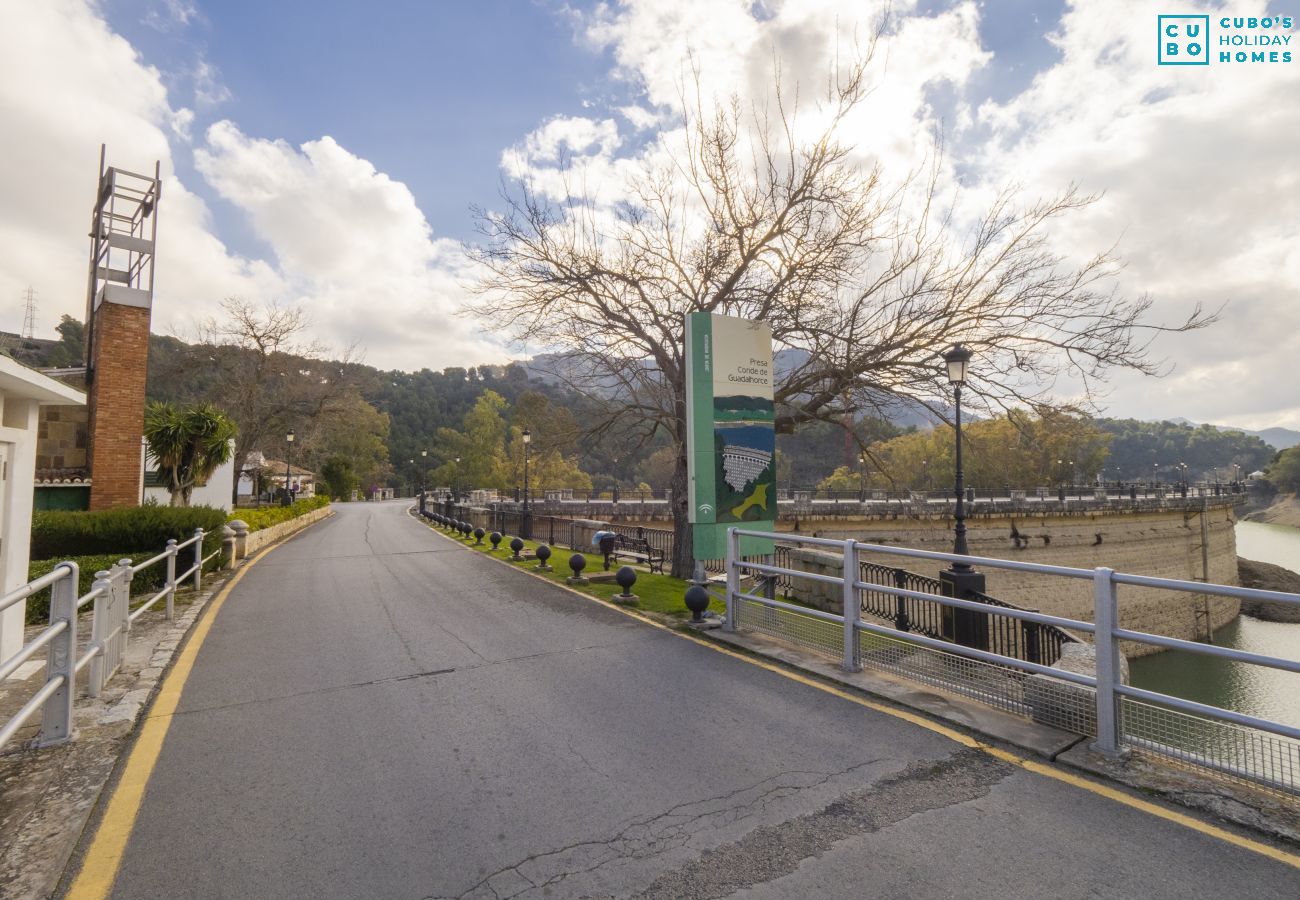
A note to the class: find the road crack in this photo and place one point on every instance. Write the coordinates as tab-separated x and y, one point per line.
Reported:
649	836
773	851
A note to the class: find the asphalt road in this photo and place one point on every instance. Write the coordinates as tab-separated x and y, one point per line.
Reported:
381	713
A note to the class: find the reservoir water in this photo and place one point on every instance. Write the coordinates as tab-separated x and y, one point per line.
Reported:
1255	690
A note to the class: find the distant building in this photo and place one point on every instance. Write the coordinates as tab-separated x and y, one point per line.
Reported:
271	474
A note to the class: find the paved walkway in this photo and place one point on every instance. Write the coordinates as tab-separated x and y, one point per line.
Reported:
378	712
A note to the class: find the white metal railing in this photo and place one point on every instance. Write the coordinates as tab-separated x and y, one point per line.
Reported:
1266	752
110	626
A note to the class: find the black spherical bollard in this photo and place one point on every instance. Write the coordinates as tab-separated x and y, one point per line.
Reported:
466	530
495	538
516	544
478	535
626	577
543	553
577	562
697	601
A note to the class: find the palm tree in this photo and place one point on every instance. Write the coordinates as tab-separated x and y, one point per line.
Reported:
189	443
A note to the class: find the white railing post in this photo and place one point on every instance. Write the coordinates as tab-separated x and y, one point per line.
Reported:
852	608
733	579
56	722
100	629
1105	618
171	578
198	559
124	568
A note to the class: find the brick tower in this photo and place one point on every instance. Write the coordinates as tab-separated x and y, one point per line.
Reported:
119	303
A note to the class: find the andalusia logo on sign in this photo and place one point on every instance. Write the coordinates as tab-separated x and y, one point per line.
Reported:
1183	40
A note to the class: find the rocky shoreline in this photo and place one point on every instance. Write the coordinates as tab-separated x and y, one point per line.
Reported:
1284	510
1268	577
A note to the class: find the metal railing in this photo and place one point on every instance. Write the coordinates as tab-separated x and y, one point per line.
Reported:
1120	716
110	627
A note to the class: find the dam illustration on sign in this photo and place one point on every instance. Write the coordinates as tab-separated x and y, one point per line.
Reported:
746	459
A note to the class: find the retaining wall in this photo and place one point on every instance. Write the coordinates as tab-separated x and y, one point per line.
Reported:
259	539
1163	543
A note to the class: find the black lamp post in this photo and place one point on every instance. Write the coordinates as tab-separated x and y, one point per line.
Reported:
526	525
960	580
288	466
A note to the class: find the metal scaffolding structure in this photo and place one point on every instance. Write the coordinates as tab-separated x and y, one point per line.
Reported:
123	234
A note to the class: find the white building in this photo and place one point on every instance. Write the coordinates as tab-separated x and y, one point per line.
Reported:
23	392
216	492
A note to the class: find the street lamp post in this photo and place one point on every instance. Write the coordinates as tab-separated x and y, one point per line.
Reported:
288	466
960	580
526	525
419	488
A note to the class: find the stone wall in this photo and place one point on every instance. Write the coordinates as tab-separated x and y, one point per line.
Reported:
1164	543
267	536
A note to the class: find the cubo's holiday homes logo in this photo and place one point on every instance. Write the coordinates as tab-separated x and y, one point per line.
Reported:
1183	40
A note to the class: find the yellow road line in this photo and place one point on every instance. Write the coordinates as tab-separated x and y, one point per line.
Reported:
952	734
104	856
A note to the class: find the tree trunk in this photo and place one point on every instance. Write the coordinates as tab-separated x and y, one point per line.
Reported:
240	459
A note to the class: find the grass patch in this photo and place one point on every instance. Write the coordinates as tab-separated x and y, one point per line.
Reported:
659	594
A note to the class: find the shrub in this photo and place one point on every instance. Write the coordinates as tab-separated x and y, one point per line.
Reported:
128	531
267	516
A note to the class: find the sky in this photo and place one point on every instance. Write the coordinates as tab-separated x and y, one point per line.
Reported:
331	154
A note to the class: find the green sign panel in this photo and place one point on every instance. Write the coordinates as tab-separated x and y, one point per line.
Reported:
731	440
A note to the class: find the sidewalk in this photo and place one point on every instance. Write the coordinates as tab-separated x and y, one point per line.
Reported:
46	795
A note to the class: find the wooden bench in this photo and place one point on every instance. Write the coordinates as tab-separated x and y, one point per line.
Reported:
635	549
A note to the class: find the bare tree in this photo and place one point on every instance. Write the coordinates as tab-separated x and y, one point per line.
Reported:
862	283
269	380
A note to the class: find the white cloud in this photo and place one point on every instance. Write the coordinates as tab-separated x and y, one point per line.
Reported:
353	247
208	89
169	14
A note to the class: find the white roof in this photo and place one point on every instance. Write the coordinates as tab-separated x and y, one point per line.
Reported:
19	381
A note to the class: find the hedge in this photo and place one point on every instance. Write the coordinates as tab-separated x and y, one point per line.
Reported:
126	531
267	516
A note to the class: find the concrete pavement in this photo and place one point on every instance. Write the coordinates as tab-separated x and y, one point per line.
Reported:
379	712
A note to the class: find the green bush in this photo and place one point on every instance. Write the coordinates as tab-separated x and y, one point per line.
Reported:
128	531
267	516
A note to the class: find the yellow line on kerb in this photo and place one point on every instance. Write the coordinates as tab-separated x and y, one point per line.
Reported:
1029	765
104	856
